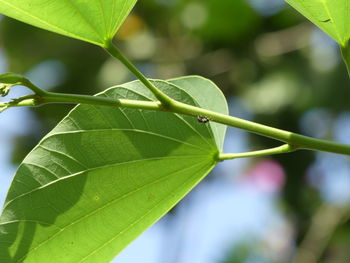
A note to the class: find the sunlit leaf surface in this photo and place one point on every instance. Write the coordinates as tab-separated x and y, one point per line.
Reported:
332	16
92	21
104	175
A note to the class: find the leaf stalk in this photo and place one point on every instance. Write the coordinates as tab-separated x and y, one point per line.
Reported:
165	100
286	148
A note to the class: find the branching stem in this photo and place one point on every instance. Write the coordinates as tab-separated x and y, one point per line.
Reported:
294	141
298	141
165	100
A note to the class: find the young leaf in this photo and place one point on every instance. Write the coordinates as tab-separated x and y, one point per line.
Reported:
92	21
331	16
104	175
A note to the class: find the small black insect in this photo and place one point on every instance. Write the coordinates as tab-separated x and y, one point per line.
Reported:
203	119
325	21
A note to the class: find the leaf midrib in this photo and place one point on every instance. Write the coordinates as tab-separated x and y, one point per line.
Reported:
132	131
177	115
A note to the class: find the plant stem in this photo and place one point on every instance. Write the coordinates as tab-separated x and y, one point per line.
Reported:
162	97
297	141
277	150
294	141
32	87
345	52
51	97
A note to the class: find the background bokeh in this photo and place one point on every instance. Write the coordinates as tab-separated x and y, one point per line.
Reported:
274	67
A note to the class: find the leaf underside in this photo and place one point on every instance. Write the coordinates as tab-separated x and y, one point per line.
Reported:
92	21
104	175
201	89
331	16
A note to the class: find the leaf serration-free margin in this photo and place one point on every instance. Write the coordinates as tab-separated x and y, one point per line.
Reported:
119	170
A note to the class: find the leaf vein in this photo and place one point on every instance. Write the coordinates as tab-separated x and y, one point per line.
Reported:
108	204
128	130
96	168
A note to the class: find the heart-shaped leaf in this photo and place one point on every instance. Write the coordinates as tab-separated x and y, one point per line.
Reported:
331	16
104	175
91	21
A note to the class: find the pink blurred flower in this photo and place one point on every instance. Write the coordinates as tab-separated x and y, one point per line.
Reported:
267	176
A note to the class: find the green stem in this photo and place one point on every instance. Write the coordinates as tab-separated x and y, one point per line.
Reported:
52	97
25	101
162	97
294	141
345	52
277	150
297	141
9	79
33	88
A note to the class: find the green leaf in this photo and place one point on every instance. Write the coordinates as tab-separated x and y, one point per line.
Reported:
209	97
331	16
104	175
92	21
